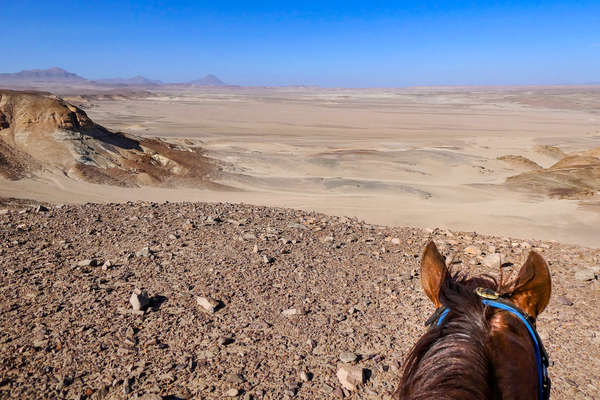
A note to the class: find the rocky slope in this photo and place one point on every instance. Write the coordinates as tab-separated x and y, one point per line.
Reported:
298	296
39	131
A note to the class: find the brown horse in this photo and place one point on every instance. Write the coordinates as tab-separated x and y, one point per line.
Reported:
479	351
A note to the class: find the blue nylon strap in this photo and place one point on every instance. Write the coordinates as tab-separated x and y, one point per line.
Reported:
536	347
514	311
442	316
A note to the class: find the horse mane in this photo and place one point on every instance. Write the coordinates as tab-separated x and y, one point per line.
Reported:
452	361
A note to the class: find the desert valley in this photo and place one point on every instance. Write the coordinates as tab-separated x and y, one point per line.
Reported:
278	227
519	161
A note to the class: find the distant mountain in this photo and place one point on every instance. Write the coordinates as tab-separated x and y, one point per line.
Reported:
208	80
53	74
58	75
135	81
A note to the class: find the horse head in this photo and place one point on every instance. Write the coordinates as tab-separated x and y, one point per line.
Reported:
482	343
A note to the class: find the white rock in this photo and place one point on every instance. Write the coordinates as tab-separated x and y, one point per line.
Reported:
139	300
350	377
145	252
492	260
207	303
395	241
290	312
585	275
304	376
348	357
232	392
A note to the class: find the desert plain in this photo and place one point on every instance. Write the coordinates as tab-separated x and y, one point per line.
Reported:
129	268
423	157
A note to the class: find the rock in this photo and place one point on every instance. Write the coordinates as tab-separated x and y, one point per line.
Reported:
564	301
585	274
472	250
249	236
4	211
213	220
350	377
107	264
268	260
348	357
233	392
290	312
130	333
304	376
208	304
255	249
224	341
87	263
395	241
139	300
172	237
41	208
492	260
145	252
235	378
297	226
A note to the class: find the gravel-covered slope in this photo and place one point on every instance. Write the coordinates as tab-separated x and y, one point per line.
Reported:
296	289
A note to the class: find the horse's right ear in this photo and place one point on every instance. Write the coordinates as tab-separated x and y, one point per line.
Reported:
533	285
433	273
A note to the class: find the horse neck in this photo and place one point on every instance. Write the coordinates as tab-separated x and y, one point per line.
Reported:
450	362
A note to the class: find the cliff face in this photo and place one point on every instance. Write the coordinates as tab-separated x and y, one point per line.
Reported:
39	131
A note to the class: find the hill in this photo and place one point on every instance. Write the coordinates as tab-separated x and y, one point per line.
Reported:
53	74
575	176
208	80
41	132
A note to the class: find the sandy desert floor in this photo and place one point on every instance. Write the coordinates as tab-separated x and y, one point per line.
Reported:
422	157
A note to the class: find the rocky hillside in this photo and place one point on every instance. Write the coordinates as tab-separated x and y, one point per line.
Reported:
41	132
210	301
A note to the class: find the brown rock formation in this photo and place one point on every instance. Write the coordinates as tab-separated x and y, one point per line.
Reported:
39	131
576	176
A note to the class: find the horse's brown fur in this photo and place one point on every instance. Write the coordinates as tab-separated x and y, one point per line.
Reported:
478	352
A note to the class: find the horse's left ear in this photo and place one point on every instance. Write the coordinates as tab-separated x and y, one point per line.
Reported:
433	273
533	286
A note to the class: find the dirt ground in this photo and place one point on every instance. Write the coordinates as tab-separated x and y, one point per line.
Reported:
295	290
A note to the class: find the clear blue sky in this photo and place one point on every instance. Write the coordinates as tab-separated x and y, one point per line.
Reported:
329	43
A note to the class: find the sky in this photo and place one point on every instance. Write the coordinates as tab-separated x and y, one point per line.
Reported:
327	43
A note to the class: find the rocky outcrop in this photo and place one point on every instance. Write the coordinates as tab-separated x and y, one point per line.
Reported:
575	176
41	132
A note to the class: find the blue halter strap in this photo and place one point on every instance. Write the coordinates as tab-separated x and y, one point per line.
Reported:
541	358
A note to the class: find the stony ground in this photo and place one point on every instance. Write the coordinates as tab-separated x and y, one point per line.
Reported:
296	290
